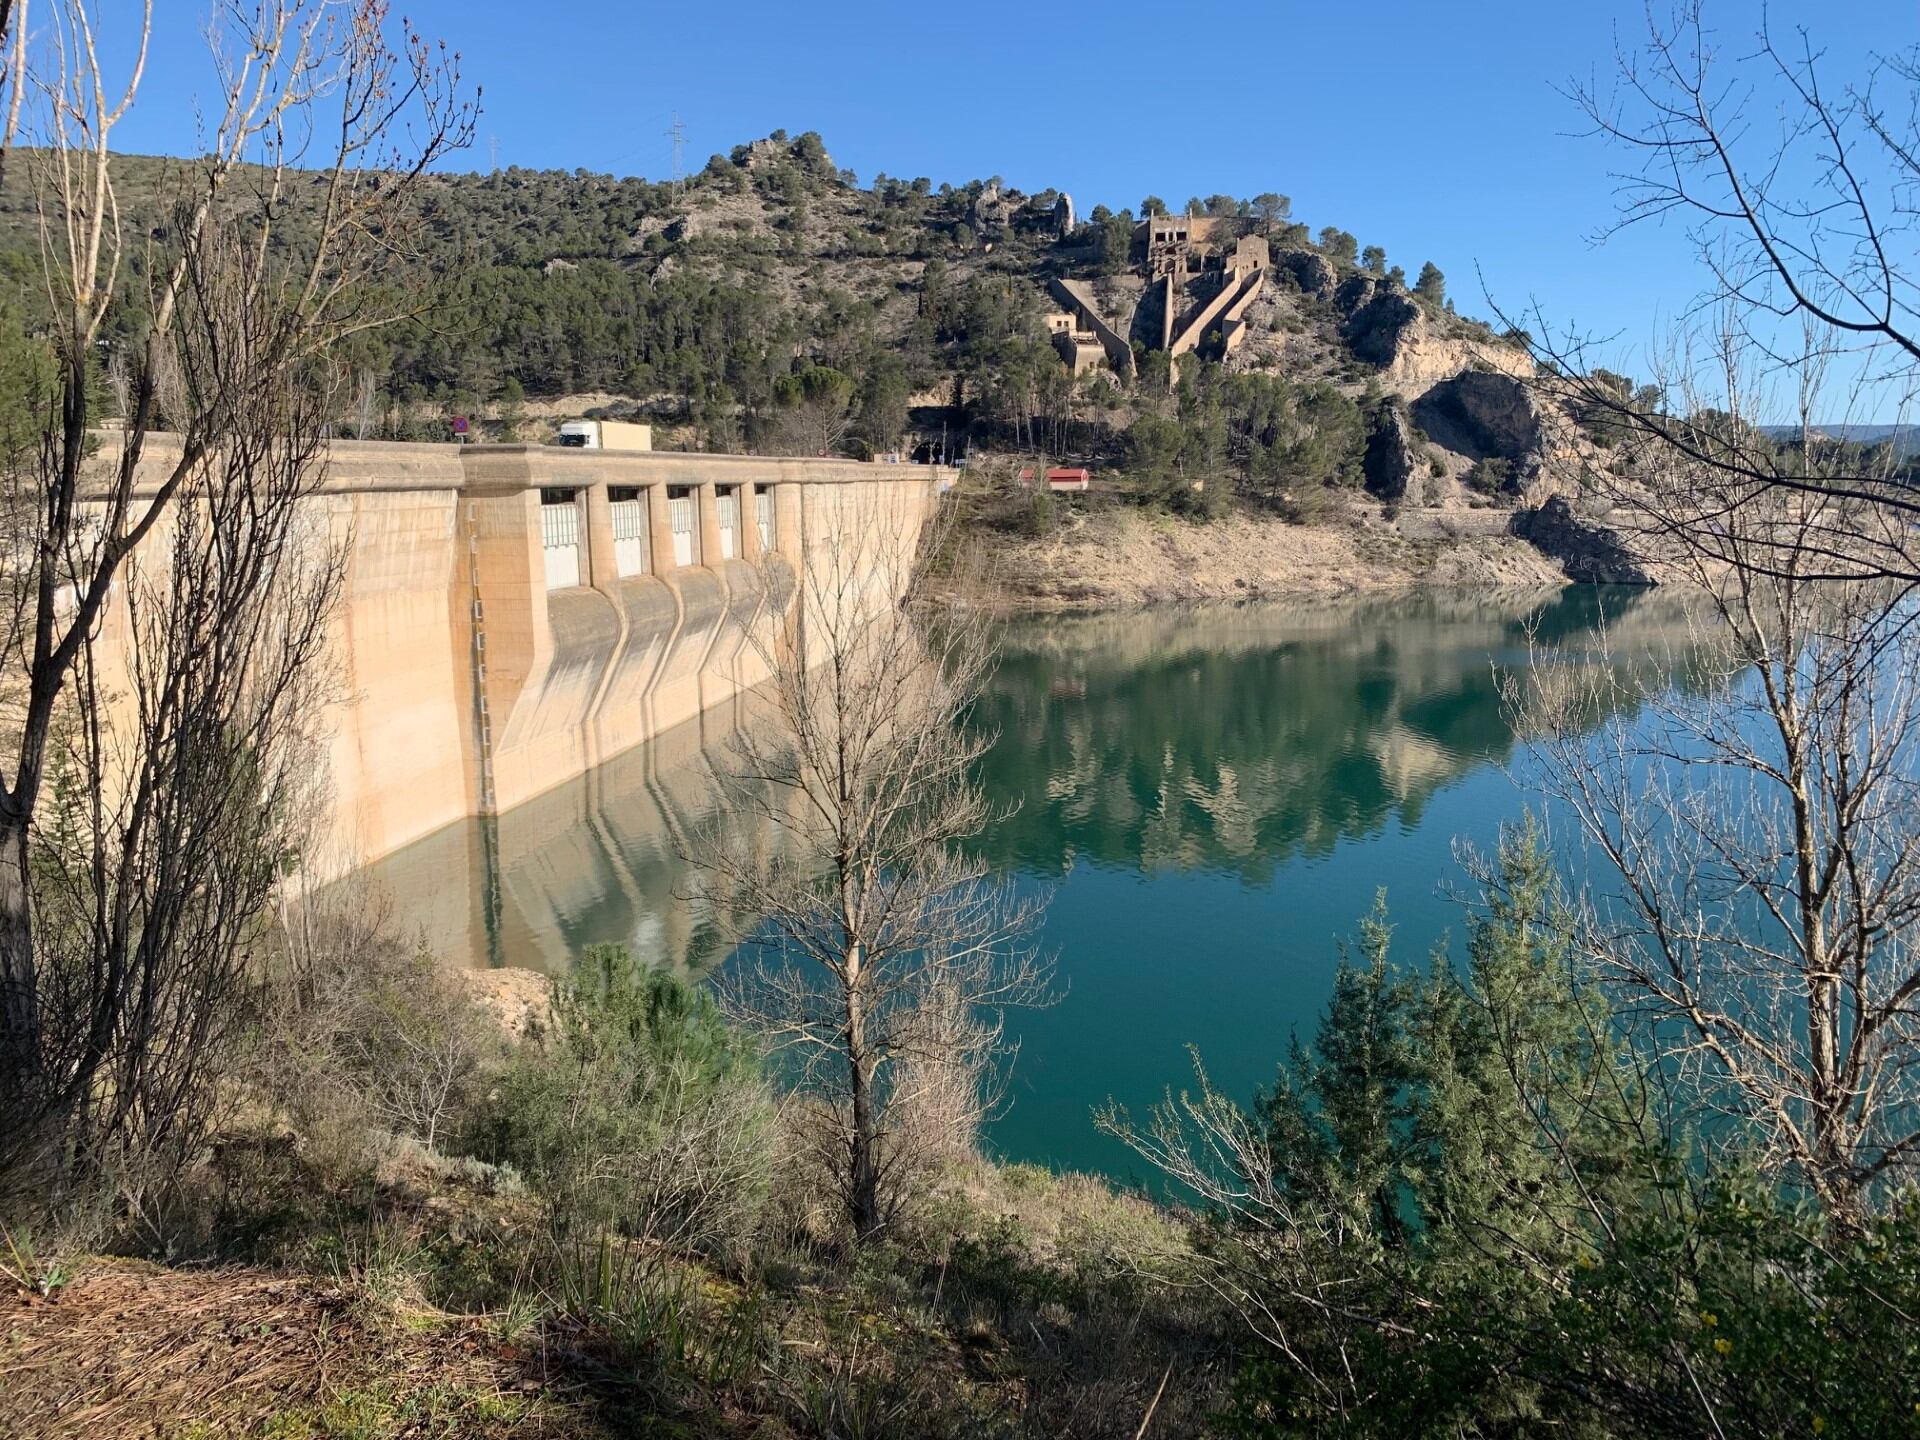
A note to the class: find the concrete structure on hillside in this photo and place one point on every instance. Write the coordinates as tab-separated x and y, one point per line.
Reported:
1183	254
514	615
1079	347
1182	245
1235	284
1166	244
1084	318
1203	276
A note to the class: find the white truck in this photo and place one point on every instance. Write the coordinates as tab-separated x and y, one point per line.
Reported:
605	435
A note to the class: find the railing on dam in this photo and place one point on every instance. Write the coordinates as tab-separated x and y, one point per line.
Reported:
513	615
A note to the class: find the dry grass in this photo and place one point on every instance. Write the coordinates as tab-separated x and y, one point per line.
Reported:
131	1349
1048	1309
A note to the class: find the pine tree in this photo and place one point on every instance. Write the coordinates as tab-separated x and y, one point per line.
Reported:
1431	286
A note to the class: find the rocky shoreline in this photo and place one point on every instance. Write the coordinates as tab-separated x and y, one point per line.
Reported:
1119	559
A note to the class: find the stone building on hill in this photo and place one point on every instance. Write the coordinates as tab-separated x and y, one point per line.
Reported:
1184	245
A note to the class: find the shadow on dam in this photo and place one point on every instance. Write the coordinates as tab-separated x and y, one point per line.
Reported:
595	859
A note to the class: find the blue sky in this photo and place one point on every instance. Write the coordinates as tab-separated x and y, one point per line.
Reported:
1434	130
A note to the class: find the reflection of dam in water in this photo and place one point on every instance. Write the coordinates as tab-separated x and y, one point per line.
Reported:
594	860
1233	740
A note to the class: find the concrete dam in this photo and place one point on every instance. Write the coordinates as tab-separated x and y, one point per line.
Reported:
513	615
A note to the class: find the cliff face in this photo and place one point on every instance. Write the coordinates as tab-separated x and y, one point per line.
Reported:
1378	318
1389	461
1424	356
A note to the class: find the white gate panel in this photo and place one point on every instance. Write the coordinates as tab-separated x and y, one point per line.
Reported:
685	522
630	536
560	540
726	505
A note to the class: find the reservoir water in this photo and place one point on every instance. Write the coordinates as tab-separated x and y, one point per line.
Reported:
1212	796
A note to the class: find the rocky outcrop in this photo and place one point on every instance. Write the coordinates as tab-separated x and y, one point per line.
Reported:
1380	322
1590	553
1355	292
1485	415
1310	272
1425	357
991	210
1389	461
762	154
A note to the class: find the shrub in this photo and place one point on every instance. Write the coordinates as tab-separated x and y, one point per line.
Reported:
1040	516
1491	475
363	1031
641	1114
1316	505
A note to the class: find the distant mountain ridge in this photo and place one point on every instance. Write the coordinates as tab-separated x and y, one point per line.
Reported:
1905	439
712	288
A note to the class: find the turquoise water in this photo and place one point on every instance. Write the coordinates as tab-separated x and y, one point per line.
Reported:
1210	796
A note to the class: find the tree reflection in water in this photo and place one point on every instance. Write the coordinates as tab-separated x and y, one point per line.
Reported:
1236	739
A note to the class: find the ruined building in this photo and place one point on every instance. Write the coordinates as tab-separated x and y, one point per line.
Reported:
1203	276
1188	245
1206	286
1079	346
1082	334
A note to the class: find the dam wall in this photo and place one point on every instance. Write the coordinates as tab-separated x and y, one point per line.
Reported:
512	616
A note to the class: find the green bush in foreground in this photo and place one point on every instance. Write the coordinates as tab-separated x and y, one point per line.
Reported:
642	1114
1460	1213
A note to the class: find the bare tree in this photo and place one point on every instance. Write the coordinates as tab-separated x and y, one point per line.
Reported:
144	800
1758	837
889	954
1757	846
1798	197
366	392
357	1028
